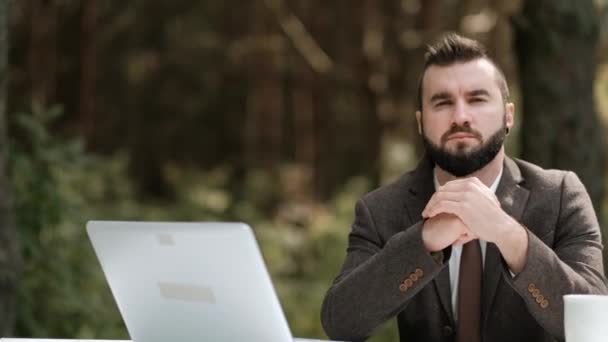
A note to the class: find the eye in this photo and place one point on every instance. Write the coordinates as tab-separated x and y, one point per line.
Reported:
443	103
478	99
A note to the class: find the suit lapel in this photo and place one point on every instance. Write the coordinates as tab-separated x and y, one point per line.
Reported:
420	190
442	285
513	199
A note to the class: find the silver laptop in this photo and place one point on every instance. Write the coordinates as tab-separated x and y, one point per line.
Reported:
189	282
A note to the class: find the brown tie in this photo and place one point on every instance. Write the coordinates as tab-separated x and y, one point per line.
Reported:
469	293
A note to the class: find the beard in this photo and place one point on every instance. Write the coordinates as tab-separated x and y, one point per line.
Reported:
462	162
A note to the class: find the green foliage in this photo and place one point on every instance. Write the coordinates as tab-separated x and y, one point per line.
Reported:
61	292
58	187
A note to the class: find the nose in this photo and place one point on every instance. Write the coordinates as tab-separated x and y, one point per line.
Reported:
461	115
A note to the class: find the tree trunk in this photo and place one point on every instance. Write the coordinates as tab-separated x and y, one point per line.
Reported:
556	50
555	44
42	53
88	67
9	249
265	100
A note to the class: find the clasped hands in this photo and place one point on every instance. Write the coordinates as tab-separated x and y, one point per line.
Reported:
463	210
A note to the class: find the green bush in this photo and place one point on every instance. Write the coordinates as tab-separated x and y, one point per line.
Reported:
62	292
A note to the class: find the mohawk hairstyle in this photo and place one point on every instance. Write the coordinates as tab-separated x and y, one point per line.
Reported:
452	48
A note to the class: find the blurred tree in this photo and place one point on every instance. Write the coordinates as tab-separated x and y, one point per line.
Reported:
10	262
263	131
556	50
88	66
42	53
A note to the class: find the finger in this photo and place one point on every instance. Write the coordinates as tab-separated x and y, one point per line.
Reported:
463	185
469	187
466	236
462	240
442	196
466	232
465	180
447	207
471	234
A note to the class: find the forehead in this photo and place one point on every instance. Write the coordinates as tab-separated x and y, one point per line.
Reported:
460	78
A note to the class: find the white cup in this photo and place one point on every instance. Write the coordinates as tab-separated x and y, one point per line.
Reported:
586	318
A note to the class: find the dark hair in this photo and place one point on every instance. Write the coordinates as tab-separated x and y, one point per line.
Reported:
452	48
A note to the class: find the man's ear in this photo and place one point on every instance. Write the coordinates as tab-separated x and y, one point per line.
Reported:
419	121
509	115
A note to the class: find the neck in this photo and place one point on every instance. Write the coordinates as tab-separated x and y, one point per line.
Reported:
486	174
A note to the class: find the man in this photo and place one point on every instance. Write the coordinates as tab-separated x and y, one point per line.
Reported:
471	245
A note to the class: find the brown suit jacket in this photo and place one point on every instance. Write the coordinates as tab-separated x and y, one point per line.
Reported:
385	248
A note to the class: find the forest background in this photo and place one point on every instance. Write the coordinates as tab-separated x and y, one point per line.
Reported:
278	113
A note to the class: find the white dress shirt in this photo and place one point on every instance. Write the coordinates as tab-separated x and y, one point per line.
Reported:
454	262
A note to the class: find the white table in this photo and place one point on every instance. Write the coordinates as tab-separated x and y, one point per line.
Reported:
66	340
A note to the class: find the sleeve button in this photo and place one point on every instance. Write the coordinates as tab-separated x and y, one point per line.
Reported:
544	304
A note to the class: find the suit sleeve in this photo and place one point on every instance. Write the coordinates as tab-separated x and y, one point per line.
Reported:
376	280
572	265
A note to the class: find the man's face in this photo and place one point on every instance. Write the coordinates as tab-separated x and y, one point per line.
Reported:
464	119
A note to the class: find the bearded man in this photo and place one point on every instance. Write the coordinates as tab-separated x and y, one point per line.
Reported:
471	245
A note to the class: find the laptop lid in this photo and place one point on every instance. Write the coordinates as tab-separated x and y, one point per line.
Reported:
189	282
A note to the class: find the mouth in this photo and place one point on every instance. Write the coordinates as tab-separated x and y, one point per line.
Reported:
456	136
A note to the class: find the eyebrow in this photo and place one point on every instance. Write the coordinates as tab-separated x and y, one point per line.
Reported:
478	92
444	95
